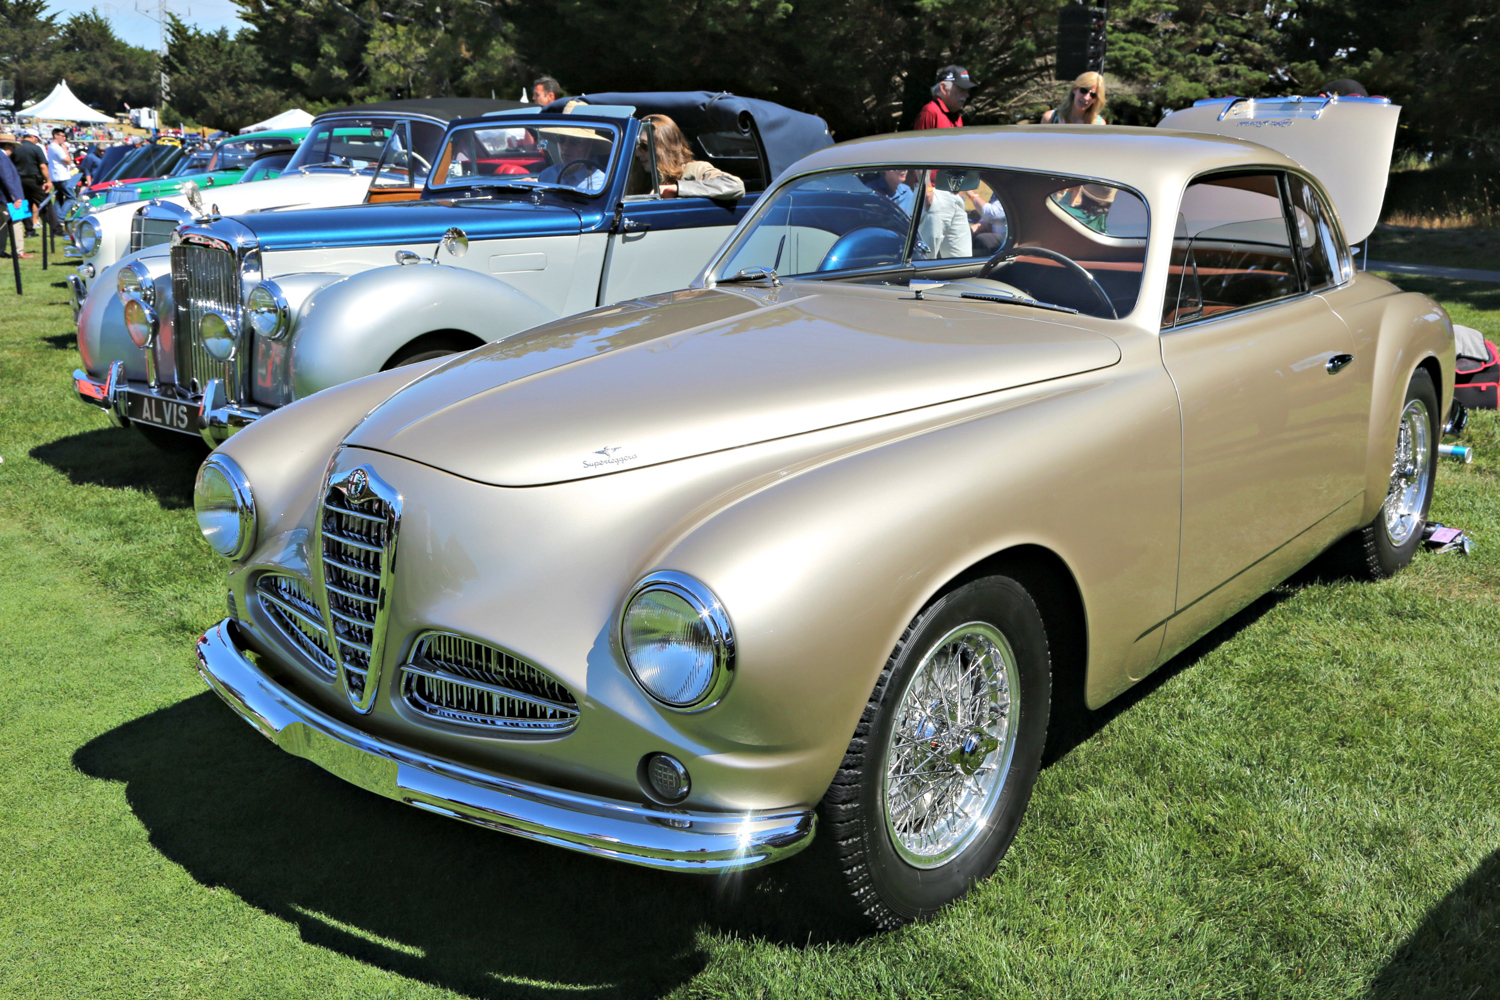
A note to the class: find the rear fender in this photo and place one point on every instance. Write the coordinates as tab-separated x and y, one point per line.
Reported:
350	327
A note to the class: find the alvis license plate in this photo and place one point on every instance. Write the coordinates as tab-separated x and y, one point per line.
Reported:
166	413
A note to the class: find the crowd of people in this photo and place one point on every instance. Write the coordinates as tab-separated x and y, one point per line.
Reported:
35	178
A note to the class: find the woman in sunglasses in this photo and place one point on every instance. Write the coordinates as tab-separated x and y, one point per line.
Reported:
1084	104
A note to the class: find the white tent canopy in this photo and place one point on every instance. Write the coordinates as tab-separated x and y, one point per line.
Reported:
295	118
62	106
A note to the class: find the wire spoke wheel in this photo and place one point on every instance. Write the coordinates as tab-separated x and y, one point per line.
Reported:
951	745
1410	471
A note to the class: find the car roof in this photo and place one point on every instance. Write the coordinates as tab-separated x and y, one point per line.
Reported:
441	108
1142	158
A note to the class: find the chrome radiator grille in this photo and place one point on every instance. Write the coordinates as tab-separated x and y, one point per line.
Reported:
204	278
457	679
356	540
146	232
289	604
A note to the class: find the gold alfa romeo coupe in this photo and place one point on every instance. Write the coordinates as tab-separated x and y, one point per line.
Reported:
953	423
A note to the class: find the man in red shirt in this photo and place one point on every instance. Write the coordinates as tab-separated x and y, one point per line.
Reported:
949	95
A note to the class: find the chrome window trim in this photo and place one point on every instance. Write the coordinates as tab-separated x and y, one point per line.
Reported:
709	608
611	169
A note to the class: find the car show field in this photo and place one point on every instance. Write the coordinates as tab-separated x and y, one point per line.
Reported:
1304	803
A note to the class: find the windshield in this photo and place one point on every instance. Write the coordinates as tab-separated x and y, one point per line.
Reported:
193	163
240	153
1048	239
266	167
575	157
344	144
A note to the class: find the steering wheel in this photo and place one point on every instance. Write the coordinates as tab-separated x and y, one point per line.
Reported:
563	173
1005	258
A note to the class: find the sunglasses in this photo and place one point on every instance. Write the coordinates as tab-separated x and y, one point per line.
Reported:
1086	93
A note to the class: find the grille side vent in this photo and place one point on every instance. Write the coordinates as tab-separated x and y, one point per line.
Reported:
357	530
290	605
457	679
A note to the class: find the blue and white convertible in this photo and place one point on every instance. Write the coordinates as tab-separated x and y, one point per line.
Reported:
531	215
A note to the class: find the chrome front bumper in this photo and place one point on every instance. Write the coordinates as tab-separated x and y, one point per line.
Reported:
216	419
640	834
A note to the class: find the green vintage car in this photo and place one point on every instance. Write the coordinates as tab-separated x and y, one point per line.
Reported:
224	164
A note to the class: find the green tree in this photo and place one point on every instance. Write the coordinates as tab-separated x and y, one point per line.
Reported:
28	41
101	69
313	47
217	80
423	50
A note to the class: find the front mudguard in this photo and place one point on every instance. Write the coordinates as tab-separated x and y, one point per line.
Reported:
353	326
102	337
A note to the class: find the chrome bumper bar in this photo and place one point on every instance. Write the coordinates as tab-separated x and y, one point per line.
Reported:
216	418
625	831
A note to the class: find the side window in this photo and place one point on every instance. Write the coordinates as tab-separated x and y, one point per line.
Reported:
426	138
394	169
1326	264
734	153
1232	249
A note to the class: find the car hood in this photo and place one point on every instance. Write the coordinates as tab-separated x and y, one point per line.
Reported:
404	222
299	191
700	371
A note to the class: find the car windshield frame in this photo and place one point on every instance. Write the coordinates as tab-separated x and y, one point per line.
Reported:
910	266
526	184
307	157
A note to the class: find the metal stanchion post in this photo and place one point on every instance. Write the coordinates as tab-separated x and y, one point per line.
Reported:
45	214
15	248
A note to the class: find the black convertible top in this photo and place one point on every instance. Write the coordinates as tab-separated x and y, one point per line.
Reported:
442	108
786	134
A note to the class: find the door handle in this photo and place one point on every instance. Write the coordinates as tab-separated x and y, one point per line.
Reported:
1338	363
634	226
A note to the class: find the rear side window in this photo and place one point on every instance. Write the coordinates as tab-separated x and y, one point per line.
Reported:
1232	249
1326	263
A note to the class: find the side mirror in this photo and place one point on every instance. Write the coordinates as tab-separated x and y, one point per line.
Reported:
456	242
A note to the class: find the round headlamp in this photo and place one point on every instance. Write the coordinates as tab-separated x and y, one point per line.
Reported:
140	322
266	311
128	282
678	641
88	237
225	507
218	336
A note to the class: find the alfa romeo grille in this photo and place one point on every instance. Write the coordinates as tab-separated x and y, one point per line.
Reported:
145	232
456	679
289	604
355	541
203	278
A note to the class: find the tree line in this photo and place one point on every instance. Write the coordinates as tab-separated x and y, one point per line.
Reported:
864	65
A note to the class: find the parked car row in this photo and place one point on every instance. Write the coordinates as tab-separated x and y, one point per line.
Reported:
670	529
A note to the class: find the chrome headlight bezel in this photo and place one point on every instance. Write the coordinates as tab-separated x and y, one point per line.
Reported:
272	307
134	280
239	511
88	236
711	616
141	321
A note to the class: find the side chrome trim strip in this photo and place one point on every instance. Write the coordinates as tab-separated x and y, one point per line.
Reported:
652	836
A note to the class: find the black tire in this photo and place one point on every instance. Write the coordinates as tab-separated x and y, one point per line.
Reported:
888	888
173	442
1371	552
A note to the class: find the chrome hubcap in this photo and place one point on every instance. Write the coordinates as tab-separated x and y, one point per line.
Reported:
951	745
1410	471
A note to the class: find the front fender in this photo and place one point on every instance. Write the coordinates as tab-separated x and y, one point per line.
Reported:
351	327
102	337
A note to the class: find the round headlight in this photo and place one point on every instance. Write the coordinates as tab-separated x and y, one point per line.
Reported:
88	237
677	640
266	311
140	322
225	507
218	336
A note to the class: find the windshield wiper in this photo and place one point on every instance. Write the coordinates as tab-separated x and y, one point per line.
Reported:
1016	300
753	274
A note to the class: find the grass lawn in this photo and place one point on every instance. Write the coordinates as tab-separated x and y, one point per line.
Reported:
1306	804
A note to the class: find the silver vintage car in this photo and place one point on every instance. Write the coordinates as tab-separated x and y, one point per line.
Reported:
832	536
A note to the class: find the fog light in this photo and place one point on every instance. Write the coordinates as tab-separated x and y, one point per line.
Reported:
87	270
218	336
664	777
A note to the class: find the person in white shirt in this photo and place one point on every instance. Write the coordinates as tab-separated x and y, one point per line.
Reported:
60	165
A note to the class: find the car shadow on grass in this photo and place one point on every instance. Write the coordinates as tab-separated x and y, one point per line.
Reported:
467	909
1454	954
120	458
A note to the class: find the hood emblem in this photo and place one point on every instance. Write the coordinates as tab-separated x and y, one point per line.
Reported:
610	458
358	486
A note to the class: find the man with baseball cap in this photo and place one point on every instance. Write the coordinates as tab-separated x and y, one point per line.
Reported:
949	95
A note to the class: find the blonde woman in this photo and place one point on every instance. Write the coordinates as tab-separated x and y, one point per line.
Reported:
682	176
1084	104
